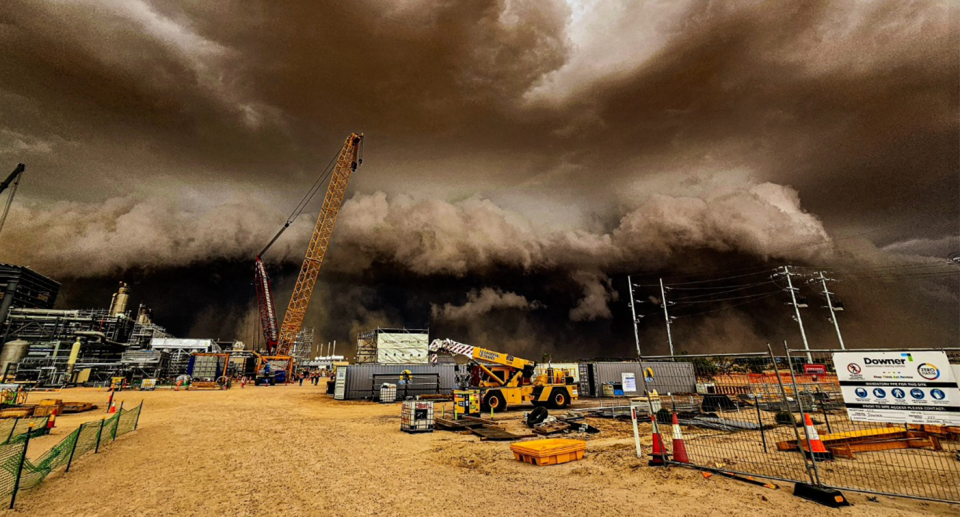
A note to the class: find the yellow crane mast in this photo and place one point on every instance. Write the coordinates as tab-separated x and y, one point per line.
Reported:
347	162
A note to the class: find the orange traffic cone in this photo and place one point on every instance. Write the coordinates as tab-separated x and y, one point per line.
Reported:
113	406
679	449
659	452
52	421
815	447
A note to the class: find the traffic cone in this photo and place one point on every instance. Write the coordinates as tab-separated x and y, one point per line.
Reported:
659	452
52	421
113	406
815	447
679	449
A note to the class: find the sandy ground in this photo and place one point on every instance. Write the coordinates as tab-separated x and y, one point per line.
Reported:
292	451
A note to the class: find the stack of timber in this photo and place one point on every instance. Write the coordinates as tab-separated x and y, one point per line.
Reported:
867	440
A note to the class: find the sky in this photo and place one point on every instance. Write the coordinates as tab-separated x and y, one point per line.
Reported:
520	160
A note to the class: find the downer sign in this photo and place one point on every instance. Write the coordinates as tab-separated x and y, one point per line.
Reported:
899	387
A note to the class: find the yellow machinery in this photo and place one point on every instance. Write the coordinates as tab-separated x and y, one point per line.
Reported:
466	403
505	380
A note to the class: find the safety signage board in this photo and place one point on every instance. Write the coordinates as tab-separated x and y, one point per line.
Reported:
899	387
629	382
815	369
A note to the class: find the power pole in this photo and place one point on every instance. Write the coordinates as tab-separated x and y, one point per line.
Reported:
833	314
666	315
633	310
793	299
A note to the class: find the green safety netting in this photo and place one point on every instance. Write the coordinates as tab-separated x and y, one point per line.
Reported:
81	441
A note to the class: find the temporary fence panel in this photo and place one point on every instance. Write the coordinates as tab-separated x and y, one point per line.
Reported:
736	427
888	418
359	378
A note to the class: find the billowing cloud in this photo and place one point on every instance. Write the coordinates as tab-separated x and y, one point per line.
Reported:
483	302
505	141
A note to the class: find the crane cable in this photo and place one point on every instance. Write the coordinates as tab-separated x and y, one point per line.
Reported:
302	205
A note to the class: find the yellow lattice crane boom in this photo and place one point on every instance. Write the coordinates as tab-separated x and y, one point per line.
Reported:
347	162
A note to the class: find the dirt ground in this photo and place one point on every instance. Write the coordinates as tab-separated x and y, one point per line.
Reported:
292	451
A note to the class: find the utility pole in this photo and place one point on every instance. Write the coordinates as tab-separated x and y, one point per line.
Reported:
833	314
666	315
633	310
793	298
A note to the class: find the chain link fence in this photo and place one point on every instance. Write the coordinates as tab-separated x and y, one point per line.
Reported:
18	473
745	414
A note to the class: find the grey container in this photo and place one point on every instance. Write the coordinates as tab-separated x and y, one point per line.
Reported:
669	377
359	381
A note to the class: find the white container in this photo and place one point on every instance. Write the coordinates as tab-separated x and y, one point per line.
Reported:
388	393
416	416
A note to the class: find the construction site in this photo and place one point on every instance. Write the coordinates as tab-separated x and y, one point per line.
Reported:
543	271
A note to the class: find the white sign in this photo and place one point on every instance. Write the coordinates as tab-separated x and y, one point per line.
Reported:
629	381
899	387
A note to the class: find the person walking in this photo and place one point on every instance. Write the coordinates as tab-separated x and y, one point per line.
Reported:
301	379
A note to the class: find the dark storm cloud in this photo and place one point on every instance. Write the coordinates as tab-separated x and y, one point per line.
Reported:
573	142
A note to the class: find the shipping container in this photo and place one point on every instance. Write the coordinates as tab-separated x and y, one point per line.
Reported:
669	377
358	380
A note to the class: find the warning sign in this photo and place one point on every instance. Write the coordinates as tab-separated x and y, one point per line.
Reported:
899	387
629	381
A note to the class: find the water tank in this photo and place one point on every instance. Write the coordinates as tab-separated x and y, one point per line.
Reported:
13	352
388	393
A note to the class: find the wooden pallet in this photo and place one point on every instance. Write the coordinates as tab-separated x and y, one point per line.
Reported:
851	437
449	424
847	450
497	434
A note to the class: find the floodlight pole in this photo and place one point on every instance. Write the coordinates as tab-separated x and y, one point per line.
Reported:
833	314
633	310
796	308
666	315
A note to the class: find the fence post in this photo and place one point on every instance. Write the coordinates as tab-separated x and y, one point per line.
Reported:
74	448
763	437
23	459
99	434
113	435
806	433
12	429
823	409
783	394
136	423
